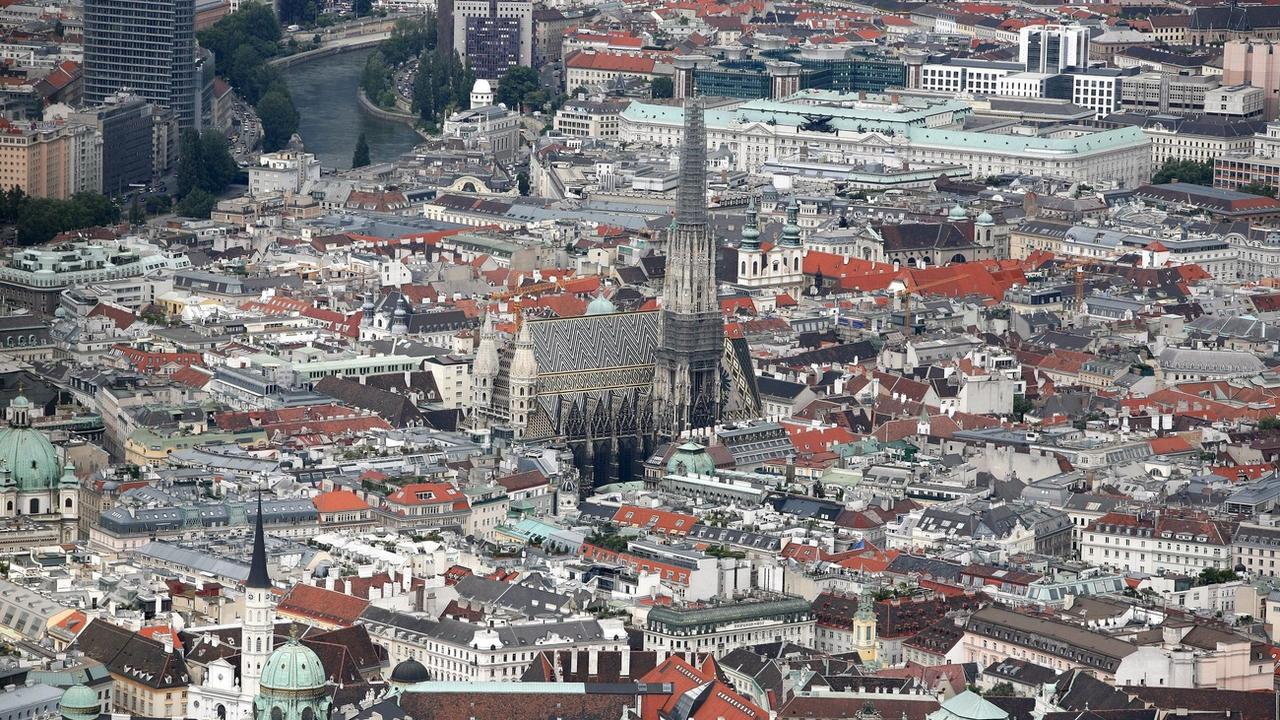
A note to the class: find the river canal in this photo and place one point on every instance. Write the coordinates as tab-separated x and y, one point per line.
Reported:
330	117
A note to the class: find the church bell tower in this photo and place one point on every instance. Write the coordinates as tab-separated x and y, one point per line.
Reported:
258	629
686	385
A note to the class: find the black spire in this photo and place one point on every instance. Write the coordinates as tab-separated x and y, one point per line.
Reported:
258	577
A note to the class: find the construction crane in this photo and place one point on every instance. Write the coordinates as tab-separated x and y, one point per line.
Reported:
1078	265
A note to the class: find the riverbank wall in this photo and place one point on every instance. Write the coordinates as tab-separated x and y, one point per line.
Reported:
336	48
394	116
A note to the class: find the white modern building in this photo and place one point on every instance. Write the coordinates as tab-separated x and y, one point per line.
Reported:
287	172
1053	48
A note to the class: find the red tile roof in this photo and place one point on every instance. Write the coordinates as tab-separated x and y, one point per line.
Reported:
660	521
720	700
339	501
1171	445
122	317
302	420
149	362
429	494
522	481
667	571
321	605
610	62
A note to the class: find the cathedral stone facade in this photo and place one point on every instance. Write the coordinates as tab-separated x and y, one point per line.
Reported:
611	385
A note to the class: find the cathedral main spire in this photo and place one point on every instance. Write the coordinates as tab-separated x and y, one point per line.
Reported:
691	196
686	385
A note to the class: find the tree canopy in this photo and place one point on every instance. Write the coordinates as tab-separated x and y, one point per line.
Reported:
443	85
360	157
299	12
408	39
198	204
1258	188
520	86
241	43
279	119
40	219
205	168
1187	171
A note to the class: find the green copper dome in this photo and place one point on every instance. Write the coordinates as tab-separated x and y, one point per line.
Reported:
957	213
27	458
293	666
691	459
601	305
79	703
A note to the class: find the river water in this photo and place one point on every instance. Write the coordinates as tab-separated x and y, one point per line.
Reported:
330	117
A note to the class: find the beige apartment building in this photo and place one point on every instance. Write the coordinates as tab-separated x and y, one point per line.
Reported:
50	160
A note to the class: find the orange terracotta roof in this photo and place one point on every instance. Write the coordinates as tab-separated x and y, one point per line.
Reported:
429	494
610	62
339	501
1171	445
662	521
319	604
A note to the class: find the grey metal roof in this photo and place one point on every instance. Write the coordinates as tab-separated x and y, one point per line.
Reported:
729	612
511	636
193	559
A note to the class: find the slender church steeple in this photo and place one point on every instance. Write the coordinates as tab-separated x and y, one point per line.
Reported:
686	386
751	228
258	629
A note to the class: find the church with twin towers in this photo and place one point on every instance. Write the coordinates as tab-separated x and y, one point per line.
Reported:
613	385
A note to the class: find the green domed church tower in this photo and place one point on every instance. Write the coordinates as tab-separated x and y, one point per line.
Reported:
292	686
34	482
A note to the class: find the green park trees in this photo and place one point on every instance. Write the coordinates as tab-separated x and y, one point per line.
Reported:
242	43
519	87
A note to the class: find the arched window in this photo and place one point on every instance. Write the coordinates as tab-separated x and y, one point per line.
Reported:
67	504
277	713
797	263
222	712
35	506
308	714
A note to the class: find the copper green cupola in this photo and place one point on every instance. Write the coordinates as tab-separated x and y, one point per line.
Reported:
791	231
751	229
293	685
31	461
